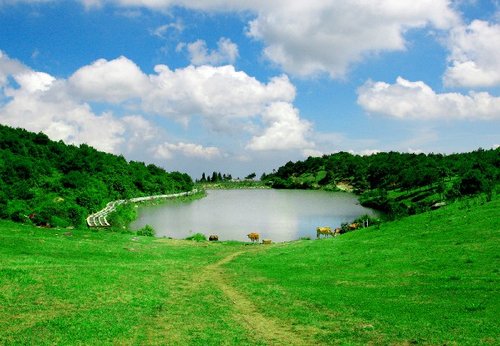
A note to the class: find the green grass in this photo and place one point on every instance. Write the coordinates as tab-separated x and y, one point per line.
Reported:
108	288
427	279
432	278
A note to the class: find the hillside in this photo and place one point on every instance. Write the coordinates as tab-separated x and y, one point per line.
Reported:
427	279
53	184
398	184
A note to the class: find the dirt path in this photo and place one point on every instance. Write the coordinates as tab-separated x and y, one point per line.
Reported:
262	328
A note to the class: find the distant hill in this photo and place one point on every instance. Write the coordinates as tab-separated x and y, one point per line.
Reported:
51	183
397	183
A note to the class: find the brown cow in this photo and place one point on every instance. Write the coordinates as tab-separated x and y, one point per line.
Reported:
213	237
337	231
254	237
326	231
353	226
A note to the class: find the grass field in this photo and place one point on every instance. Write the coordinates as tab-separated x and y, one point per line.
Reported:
427	279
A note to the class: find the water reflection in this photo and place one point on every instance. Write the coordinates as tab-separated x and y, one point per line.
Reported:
280	215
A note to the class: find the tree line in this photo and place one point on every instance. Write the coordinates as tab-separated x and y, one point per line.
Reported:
50	183
217	177
397	183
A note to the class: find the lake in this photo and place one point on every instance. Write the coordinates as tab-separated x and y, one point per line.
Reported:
280	215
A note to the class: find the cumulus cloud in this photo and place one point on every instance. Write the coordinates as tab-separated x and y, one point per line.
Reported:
216	93
220	96
199	54
474	59
31	81
284	129
63	119
40	102
8	67
310	37
416	100
167	151
112	81
307	37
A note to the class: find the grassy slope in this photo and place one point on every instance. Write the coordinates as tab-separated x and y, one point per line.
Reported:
102	288
430	279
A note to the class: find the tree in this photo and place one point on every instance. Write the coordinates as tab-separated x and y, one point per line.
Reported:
251	176
473	182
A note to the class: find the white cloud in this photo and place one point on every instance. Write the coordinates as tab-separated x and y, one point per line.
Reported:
8	67
366	152
226	100
416	100
307	37
139	134
168	150
226	52
284	129
474	59
40	102
112	81
62	119
216	93
312	153
31	81
162	30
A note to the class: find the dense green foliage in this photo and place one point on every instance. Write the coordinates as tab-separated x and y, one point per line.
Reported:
51	183
147	231
396	183
429	279
197	237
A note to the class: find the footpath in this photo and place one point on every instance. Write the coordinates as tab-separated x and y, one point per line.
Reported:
99	219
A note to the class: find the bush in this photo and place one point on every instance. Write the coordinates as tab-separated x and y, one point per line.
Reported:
147	231
197	237
473	182
122	216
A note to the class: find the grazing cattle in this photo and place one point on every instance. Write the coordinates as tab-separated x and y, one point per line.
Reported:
337	231
213	237
267	241
253	237
326	231
353	226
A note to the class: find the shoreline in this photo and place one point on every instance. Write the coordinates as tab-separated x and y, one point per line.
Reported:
99	219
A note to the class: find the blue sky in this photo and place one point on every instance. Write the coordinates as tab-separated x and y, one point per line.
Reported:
241	86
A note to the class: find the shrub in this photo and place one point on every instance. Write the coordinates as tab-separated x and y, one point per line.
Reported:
147	231
473	182
197	237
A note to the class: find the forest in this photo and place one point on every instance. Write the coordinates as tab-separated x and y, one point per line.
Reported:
398	184
53	184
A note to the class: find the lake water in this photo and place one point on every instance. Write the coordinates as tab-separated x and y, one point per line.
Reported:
280	215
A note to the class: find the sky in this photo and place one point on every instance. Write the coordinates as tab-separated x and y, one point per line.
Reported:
242	86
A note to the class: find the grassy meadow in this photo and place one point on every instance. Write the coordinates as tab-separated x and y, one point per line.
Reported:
427	279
